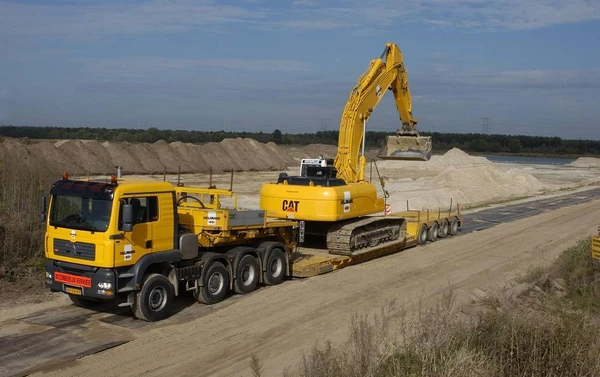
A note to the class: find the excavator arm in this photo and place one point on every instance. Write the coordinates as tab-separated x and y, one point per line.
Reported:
401	92
385	72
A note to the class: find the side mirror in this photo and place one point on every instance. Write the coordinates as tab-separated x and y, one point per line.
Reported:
44	206
127	217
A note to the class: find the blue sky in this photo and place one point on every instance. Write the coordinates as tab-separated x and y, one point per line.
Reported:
531	66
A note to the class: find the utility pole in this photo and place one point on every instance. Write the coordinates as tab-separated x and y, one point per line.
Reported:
485	125
323	123
226	125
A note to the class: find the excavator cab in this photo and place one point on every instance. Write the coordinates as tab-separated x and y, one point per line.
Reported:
406	146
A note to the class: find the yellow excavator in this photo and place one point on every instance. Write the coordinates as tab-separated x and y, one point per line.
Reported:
334	199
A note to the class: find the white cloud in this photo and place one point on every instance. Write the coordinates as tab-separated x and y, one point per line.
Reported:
94	19
526	79
490	15
138	66
109	18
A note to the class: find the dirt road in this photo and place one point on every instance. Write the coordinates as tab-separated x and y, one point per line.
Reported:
279	323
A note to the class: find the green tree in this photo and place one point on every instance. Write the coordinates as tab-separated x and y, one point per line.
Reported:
514	144
277	137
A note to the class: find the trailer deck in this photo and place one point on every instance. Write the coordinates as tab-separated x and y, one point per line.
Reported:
311	261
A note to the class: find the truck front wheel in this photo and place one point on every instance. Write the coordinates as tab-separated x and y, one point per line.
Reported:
216	284
155	300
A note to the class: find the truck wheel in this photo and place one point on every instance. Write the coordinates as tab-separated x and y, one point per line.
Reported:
246	275
216	283
453	227
422	238
432	234
155	300
83	302
443	232
275	267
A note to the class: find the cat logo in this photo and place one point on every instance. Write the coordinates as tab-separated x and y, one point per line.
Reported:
290	205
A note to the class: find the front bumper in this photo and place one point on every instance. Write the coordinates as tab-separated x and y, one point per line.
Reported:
86	281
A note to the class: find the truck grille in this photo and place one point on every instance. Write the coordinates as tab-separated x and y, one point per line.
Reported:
81	250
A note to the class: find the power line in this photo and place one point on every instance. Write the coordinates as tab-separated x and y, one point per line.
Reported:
323	123
485	125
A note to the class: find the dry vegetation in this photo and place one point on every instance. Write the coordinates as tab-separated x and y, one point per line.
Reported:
550	329
21	231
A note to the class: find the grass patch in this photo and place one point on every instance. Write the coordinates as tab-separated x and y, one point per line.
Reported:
580	276
21	231
553	330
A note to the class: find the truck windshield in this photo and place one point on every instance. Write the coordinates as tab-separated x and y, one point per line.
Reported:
77	212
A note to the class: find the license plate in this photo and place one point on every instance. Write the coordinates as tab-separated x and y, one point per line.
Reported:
73	291
81	281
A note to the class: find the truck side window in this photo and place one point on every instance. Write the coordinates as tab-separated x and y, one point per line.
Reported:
145	209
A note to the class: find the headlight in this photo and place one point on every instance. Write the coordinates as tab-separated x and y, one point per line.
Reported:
104	285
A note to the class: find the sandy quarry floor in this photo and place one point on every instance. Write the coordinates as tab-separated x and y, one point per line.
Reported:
279	323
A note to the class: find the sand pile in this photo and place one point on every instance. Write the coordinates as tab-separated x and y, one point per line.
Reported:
456	176
280	154
190	154
121	156
92	157
48	153
586	162
311	151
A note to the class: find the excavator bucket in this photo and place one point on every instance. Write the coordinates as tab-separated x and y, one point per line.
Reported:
406	147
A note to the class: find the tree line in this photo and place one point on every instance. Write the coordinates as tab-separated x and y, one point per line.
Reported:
472	142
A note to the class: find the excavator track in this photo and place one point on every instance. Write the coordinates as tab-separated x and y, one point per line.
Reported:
359	236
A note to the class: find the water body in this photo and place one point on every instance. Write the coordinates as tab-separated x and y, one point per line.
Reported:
529	160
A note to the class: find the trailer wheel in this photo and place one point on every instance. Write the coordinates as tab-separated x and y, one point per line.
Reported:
216	283
155	300
443	232
432	234
246	275
275	267
453	227
422	238
83	302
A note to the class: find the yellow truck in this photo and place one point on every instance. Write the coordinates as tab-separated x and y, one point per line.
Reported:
142	243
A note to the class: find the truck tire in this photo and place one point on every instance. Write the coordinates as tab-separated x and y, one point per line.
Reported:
83	302
247	274
422	237
275	267
453	227
444	228
155	300
432	234
216	284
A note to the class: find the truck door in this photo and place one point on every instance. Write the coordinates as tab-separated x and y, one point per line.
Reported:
138	242
163	224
